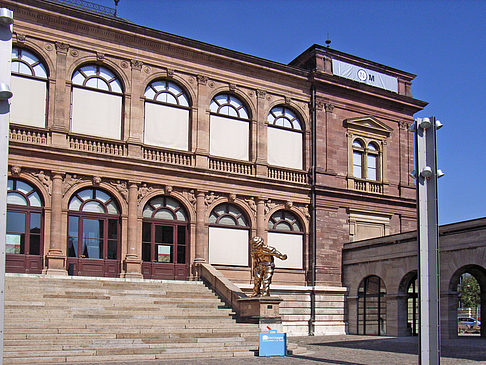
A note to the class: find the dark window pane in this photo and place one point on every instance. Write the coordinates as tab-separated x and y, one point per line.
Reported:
92	229
73	247
164	234
181	254
146	232
146	252
112	249
34	247
164	253
35	223
73	226
15	222
113	229
181	235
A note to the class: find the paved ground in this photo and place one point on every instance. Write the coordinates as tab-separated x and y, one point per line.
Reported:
360	350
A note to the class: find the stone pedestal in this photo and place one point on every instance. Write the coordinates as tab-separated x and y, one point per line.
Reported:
262	310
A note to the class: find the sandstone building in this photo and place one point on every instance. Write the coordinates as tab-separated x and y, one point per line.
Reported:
139	153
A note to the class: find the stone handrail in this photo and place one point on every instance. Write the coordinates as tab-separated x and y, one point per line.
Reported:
228	291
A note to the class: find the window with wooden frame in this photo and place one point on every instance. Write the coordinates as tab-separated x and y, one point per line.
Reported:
367	157
285	233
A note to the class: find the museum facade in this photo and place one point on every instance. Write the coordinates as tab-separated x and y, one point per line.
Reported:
138	153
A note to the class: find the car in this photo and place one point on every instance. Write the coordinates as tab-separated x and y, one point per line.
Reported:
468	324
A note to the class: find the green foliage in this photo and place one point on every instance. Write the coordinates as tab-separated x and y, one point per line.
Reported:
469	292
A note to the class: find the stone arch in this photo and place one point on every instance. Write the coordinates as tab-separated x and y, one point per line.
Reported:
191	212
240	204
304	221
407	305
43	55
294	107
159	75
34	181
247	101
372	308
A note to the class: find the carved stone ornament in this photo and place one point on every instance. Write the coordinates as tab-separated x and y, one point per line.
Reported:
96	180
49	47
168	189
211	84
100	56
288	100
62	47
170	73
201	79
288	204
232	87
269	205
147	69
122	187
329	107
251	203
143	191
20	37
44	179
305	210
124	64
261	94
136	64
404	125
190	196
74	53
232	197
15	170
69	181
210	198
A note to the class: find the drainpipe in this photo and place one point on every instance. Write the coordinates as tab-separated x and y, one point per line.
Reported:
313	234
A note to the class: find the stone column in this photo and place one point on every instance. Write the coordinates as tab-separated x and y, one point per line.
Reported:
261	231
62	97
261	134
201	247
134	112
55	259
202	122
132	262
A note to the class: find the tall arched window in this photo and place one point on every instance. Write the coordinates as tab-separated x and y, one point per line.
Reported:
284	138
24	238
285	233
29	87
166	115
93	233
366	160
97	99
164	239
372	306
228	236
358	153
229	130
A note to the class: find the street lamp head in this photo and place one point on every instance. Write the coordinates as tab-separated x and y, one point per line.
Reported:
5	92
425	123
426	172
6	16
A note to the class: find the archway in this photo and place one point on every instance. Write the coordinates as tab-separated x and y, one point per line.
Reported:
372	306
468	313
409	319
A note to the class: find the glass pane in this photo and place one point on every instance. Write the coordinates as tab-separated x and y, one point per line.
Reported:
24	69
113	229
146	251
34	244
74	204
15	222
212	218
92	248
228	220
14	243
214	107
221	99
102	196
147	211
15	52
112	250
73	226
105	74
180	215
183	100
15	66
164	234
149	93
181	235
73	237
35	223
164	214
146	232
243	113
34	200
372	147
116	86
171	203
282	226
157	202
181	254
89	70
164	253
241	221
86	194
159	85
16	198
92	229
10	184
94	206
40	71
78	78
112	208
23	187
357	172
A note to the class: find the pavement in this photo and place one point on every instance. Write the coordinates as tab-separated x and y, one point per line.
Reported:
359	350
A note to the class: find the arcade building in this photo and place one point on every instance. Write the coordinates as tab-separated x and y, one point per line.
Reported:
136	153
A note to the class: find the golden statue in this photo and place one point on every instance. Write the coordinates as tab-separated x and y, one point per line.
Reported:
263	265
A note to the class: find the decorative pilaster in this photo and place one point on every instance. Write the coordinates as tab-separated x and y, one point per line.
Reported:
201	251
133	268
55	259
261	231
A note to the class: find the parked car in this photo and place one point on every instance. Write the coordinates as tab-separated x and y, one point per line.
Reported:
468	324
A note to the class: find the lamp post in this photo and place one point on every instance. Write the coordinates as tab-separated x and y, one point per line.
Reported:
6	20
426	174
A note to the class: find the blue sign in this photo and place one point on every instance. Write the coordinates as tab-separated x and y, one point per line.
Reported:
273	344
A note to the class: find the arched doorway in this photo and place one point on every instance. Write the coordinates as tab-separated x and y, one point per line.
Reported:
408	315
25	229
164	240
93	234
372	306
469	303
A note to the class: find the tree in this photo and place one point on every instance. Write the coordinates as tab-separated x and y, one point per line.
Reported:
469	291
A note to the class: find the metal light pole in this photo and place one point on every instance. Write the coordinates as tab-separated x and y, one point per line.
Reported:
426	175
6	20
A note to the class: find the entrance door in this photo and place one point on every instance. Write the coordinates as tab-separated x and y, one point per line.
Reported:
93	239
164	240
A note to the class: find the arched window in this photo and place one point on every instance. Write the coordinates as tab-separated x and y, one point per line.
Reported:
285	233
93	231
164	239
24	228
97	98
166	115
229	129
372	162
285	138
358	152
29	87
228	236
372	306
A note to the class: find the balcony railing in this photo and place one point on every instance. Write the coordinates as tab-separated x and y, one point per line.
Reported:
233	167
166	156
95	146
369	186
287	175
29	136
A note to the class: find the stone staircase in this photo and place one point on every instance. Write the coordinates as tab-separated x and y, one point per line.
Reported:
101	320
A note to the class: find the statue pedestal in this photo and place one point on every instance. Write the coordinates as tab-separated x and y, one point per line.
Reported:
262	310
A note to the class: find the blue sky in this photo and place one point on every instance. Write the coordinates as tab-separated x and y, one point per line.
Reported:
439	41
